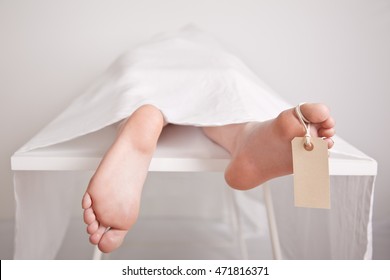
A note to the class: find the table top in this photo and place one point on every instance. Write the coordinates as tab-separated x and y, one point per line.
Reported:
180	149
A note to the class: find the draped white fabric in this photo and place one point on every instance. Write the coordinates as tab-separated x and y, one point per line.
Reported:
191	79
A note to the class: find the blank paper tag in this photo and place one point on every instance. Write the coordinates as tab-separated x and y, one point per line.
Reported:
311	174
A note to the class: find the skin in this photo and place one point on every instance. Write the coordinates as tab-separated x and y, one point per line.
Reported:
259	152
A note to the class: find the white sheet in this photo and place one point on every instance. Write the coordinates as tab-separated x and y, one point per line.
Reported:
186	74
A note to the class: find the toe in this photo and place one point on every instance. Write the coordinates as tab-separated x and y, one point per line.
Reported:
93	227
111	240
328	123
315	113
89	216
87	201
95	238
330	142
327	133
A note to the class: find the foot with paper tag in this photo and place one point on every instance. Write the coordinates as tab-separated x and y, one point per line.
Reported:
263	150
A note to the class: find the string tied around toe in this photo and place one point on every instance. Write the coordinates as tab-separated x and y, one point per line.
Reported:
308	145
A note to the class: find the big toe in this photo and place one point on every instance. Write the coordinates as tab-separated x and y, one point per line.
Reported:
111	240
315	112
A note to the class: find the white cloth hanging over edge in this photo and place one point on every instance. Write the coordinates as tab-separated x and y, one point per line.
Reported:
187	75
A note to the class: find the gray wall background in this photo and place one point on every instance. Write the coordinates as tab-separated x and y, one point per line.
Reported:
336	52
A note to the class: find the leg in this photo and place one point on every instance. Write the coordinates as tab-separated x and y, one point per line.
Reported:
111	202
261	150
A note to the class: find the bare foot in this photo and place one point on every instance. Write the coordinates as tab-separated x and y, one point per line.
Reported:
111	202
263	150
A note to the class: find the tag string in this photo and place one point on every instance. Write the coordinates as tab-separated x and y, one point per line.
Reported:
306	124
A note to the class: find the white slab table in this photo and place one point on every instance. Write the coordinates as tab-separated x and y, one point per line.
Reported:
44	180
